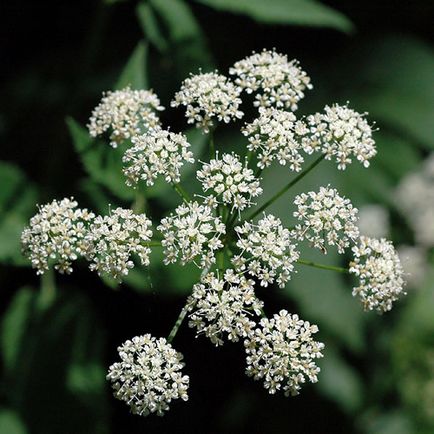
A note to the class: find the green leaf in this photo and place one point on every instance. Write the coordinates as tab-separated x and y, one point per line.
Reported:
102	163
10	423
13	326
339	381
395	85
134	74
292	12
150	26
17	202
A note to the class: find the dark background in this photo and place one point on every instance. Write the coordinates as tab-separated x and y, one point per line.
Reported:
57	58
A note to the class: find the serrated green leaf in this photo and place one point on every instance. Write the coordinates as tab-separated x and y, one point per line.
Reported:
17	202
291	12
134	73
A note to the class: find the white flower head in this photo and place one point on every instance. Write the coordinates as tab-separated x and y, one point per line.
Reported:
56	234
207	96
377	265
325	219
415	197
158	152
273	136
282	353
124	114
267	249
192	234
340	133
149	375
224	306
113	239
230	181
279	82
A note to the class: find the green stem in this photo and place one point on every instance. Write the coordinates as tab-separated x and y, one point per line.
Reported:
180	190
211	145
153	243
221	259
139	203
48	288
323	266
287	187
178	323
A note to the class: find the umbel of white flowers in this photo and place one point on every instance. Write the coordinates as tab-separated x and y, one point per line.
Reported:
218	230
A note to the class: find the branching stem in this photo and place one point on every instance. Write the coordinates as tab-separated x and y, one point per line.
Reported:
323	266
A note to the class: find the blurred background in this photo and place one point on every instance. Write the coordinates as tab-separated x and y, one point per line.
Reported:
59	335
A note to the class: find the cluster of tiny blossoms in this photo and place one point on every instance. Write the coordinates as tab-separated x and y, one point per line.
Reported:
231	182
273	136
113	239
380	272
278	81
224	306
267	249
208	96
56	234
326	219
282	352
124	114
192	233
158	152
149	375
340	133
236	254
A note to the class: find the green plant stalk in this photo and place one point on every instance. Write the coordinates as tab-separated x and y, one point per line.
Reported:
183	193
211	145
178	323
139	203
287	187
323	266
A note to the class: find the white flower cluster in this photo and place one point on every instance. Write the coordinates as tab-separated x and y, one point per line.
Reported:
279	82
149	375
374	221
414	264
267	251
341	133
207	96
56	234
158	152
192	233
232	182
124	114
224	306
326	219
282	352
113	239
415	197
273	136
379	270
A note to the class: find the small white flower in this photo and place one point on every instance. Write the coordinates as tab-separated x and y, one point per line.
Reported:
326	219
279	82
380	272
113	239
415	197
231	182
124	114
149	375
374	221
207	96
267	251
192	233
158	152
340	133
282	352
56	234
273	136
224	306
